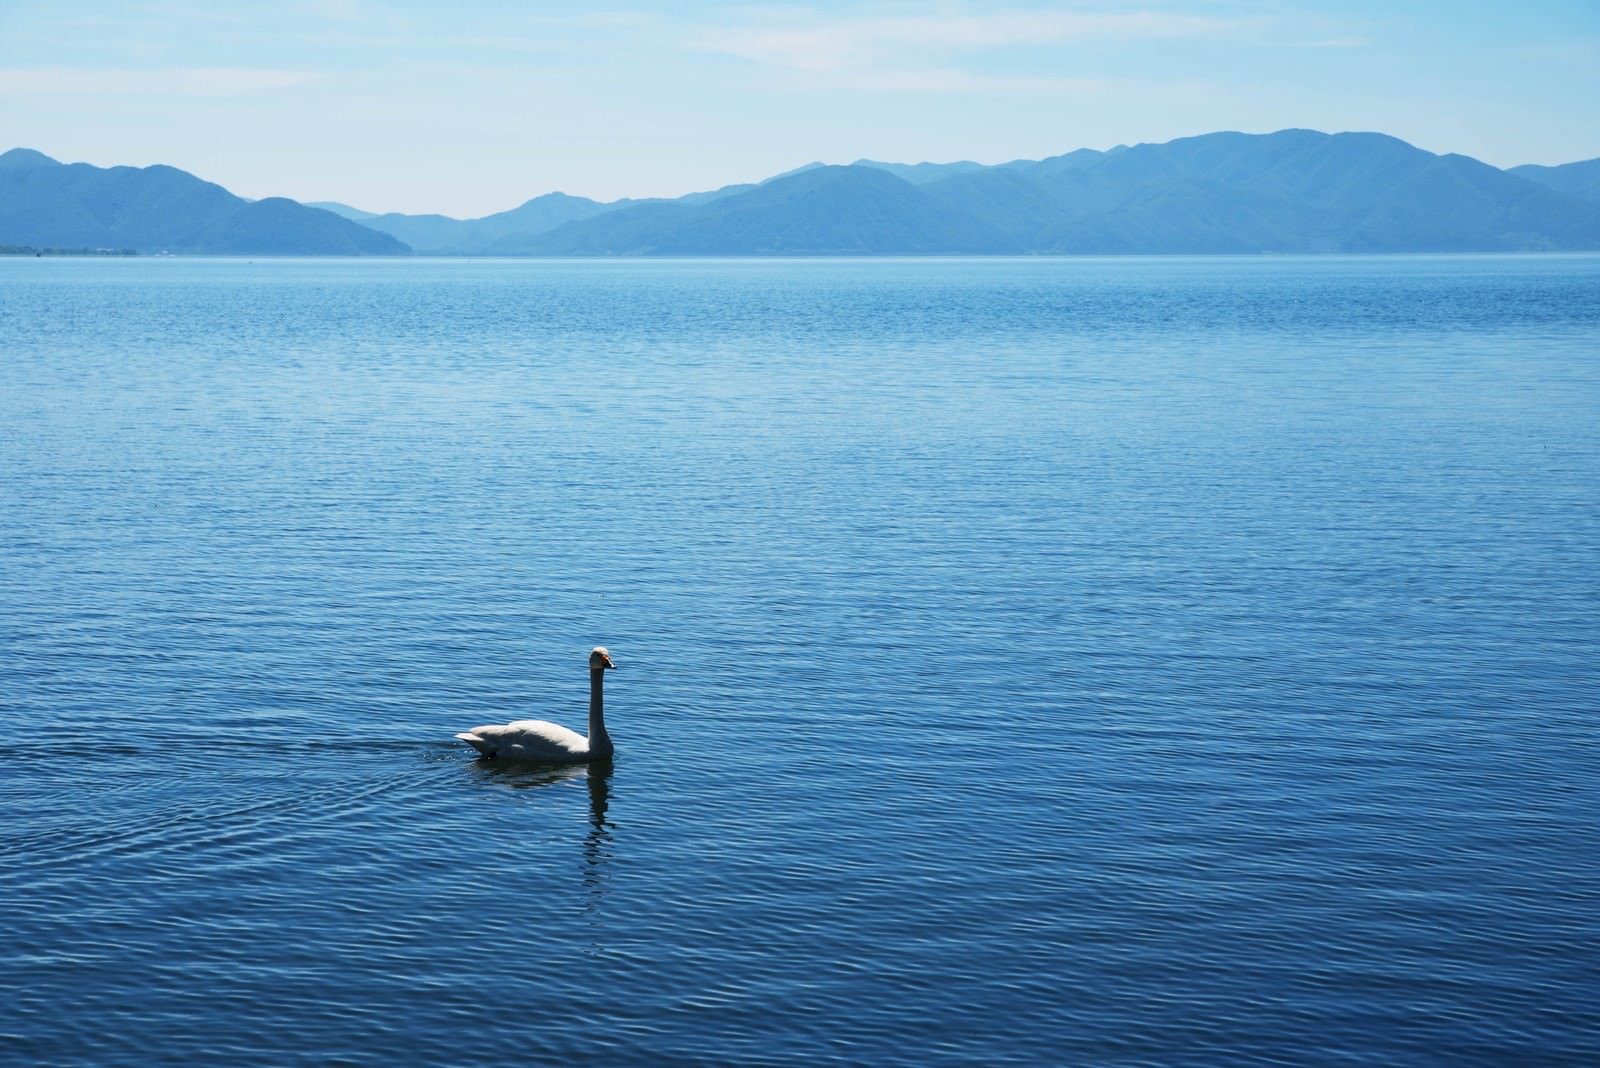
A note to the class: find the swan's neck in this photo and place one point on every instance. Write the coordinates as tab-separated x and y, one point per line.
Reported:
599	740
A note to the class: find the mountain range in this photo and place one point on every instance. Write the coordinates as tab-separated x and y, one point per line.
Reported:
1290	191
46	204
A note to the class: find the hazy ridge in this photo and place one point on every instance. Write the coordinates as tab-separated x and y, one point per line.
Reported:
46	204
1290	191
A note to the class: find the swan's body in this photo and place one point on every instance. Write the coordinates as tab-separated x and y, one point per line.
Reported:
529	739
550	743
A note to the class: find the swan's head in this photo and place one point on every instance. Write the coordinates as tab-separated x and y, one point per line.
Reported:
599	659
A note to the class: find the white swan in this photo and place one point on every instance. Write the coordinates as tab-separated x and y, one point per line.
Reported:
544	742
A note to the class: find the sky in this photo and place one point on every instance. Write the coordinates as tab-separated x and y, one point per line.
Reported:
468	108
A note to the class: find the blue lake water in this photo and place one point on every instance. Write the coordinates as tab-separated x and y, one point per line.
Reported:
1114	662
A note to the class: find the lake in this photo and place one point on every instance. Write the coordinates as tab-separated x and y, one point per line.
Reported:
1148	661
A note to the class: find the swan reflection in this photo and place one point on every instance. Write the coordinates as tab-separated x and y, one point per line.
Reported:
597	778
597	842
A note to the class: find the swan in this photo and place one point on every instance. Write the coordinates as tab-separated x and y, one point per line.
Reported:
549	743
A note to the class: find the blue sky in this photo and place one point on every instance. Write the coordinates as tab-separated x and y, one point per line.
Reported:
469	108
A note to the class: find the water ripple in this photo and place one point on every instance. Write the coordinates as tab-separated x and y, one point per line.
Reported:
1119	663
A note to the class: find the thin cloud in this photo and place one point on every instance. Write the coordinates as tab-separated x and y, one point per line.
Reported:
186	81
959	81
852	42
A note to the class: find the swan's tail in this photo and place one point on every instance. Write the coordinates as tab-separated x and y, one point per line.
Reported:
478	742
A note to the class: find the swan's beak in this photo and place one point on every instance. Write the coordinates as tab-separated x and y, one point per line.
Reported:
606	660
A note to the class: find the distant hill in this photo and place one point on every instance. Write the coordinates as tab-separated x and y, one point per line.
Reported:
442	235
48	204
1580	180
1295	191
922	173
1289	191
515	232
835	211
353	214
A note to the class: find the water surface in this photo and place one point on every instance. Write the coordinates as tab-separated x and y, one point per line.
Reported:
1140	661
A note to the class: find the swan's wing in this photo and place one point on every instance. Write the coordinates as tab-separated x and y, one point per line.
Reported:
527	739
537	735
